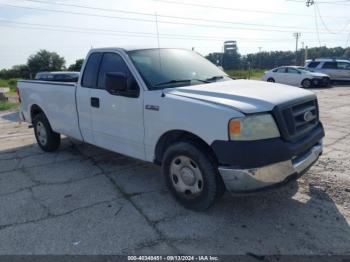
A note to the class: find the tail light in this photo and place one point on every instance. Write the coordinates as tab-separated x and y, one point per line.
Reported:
18	94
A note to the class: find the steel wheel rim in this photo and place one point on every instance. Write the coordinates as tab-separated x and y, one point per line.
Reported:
186	177
41	133
307	83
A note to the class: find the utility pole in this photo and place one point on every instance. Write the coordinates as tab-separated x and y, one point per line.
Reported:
260	47
297	36
306	53
309	2
302	59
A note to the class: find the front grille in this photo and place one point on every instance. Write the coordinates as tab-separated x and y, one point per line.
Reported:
297	119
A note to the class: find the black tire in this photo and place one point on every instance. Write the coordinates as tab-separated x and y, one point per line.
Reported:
212	186
53	139
326	82
271	80
306	83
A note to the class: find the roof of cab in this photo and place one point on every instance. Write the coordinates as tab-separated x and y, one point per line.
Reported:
130	48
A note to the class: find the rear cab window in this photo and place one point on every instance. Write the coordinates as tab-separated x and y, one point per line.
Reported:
89	78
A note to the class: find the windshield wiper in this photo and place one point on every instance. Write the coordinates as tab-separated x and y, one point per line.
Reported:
180	81
214	78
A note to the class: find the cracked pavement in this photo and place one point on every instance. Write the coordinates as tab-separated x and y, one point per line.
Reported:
86	200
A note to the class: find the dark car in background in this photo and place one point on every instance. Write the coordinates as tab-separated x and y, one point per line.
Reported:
59	76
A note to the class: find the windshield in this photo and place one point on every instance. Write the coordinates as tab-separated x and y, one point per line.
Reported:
165	68
305	69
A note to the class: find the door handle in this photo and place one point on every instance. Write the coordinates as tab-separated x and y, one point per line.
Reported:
95	102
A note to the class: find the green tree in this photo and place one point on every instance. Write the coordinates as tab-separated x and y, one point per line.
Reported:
17	71
77	65
44	60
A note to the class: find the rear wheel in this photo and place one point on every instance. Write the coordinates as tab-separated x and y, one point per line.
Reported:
271	80
306	83
47	139
191	176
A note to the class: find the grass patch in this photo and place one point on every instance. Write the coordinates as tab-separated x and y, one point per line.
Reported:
254	73
7	105
11	83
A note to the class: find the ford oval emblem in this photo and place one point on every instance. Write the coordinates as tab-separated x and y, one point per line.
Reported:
308	116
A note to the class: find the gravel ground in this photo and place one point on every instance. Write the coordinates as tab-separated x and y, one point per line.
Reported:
85	200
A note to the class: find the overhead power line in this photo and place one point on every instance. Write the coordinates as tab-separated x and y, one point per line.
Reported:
89	30
160	15
316	26
325	24
311	2
119	33
239	9
152	20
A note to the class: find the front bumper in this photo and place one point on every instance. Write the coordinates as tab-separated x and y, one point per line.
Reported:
320	82
253	179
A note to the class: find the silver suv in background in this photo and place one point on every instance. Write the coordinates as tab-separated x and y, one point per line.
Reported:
337	69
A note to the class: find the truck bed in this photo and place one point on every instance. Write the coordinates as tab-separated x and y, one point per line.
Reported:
58	100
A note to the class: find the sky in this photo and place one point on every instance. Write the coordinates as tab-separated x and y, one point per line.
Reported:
72	27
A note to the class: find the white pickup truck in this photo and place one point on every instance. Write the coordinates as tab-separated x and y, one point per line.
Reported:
209	133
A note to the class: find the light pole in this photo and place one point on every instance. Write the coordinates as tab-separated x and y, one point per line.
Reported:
297	36
260	47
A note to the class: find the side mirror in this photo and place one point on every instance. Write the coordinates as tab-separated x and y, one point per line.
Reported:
116	83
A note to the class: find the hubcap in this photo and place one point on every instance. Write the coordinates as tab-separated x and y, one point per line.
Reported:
186	176
41	133
307	83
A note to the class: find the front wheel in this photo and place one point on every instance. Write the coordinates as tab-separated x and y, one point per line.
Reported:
47	139
306	83
191	176
271	80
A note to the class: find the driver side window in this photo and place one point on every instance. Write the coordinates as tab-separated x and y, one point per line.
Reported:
114	63
292	71
281	70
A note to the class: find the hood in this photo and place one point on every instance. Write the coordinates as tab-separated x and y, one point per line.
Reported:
317	74
246	96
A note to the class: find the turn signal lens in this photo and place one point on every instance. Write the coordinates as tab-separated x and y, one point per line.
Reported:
235	126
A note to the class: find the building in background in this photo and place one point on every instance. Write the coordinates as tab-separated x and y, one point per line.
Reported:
230	47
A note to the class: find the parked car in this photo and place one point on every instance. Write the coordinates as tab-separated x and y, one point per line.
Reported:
59	76
336	69
296	76
174	108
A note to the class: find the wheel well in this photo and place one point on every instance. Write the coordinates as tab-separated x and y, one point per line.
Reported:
174	136
34	111
302	81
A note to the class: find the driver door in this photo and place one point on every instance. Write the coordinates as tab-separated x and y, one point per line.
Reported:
293	76
117	120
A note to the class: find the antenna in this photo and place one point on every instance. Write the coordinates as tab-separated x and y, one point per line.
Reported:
159	57
297	36
157	29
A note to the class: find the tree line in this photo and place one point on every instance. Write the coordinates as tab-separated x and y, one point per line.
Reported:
41	61
45	60
271	59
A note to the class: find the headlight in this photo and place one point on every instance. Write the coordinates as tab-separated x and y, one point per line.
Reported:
253	127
